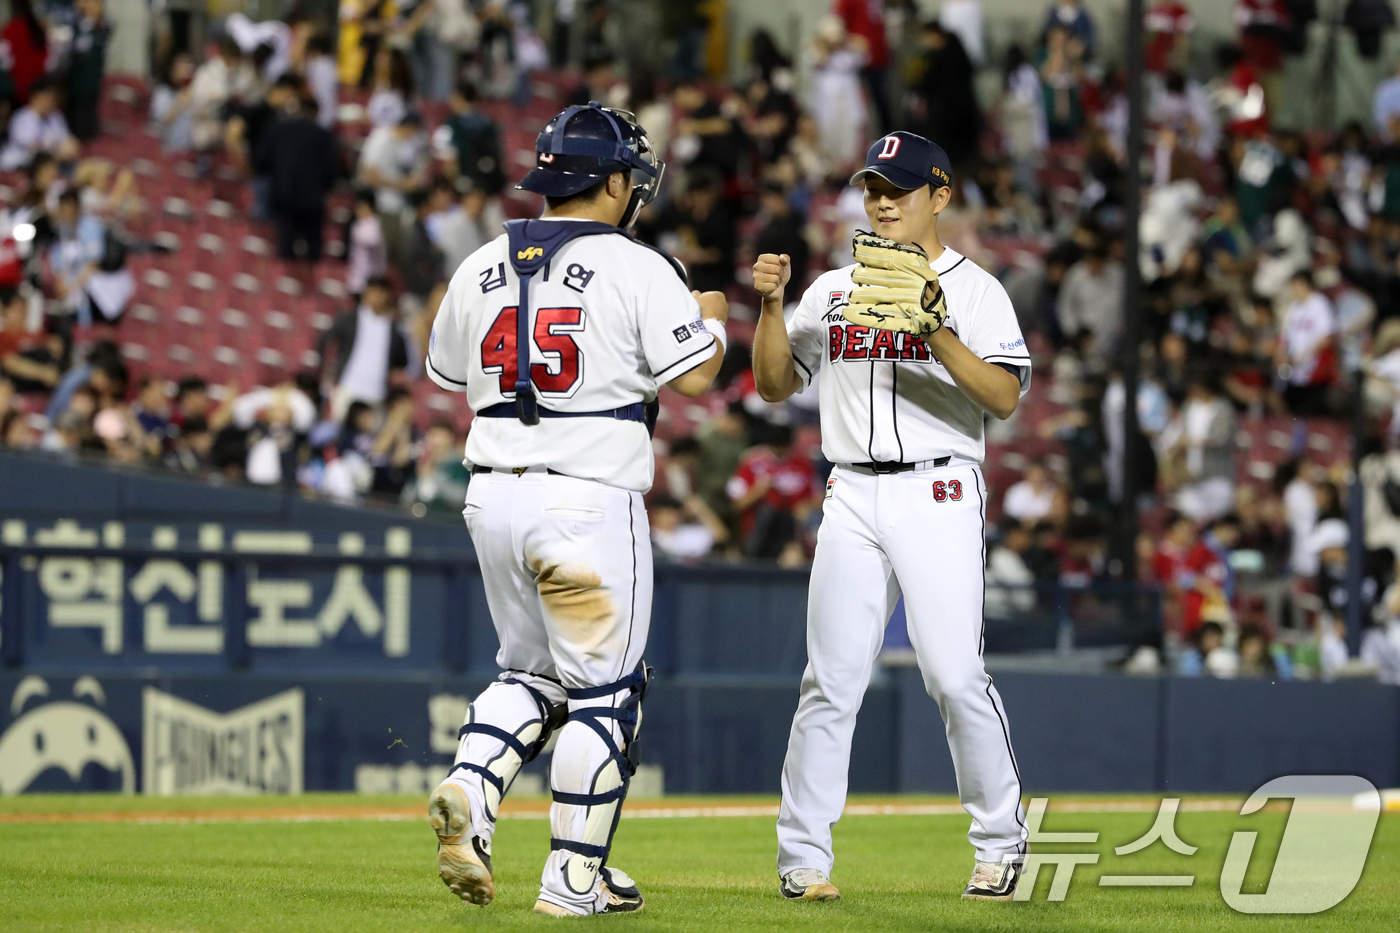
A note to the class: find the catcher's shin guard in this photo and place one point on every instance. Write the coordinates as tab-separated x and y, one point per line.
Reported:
593	769
507	725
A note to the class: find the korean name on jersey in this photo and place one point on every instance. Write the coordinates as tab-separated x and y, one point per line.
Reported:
611	322
885	396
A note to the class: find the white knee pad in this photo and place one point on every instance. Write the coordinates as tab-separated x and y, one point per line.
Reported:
593	765
507	726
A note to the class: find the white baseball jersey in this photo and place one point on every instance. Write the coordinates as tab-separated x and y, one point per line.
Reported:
885	396
611	323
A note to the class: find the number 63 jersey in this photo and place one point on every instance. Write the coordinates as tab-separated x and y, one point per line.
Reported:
610	322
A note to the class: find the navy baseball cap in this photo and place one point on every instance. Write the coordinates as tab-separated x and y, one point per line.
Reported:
907	161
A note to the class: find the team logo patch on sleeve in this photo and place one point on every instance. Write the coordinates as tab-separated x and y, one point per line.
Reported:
686	331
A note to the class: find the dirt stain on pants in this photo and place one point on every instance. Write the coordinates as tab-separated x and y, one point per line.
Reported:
581	607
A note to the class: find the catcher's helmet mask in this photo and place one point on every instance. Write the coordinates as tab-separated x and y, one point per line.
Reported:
585	144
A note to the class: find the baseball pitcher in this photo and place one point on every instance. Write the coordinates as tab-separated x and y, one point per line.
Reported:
913	344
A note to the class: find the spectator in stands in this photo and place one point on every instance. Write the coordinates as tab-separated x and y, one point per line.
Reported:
225	77
191	447
394	161
471	142
723	440
395	446
1070	16
191	401
299	157
244	133
467	223
274	421
1023	130
773	491
835	99
172	106
1009	580
1208	654
702	231
1262	522
440	478
865	19
369	352
87	62
1326	541
1168	25
784	231
1380	643
1063	84
1033	497
320	73
1264	29
698	116
38	127
28	46
1307	355
1256	658
152	413
1385	111
25	363
393	88
15	432
679	533
1204	440
1091	299
79	243
421	266
945	102
367	257
268	42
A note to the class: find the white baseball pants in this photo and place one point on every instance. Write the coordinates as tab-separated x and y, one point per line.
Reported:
920	533
567	569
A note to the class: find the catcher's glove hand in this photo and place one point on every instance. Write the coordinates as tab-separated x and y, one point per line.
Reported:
896	288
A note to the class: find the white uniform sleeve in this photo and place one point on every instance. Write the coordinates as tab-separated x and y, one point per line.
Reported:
674	340
449	355
807	333
995	335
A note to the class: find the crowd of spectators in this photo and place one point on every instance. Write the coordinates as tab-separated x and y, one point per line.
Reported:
1270	257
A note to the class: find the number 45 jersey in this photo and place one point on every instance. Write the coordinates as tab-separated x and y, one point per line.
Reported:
610	322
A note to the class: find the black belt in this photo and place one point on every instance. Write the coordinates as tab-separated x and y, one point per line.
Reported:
637	411
883	467
517	470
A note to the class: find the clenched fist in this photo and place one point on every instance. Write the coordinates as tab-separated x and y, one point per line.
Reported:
771	274
712	305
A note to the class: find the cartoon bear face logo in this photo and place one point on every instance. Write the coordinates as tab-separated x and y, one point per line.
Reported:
66	735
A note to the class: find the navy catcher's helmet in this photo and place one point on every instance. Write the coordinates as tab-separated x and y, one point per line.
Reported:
583	145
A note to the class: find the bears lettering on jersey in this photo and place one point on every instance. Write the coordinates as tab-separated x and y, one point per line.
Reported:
856	343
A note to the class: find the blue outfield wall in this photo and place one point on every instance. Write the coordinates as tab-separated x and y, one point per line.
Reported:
164	636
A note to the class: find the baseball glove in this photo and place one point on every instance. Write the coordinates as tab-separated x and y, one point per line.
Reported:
896	288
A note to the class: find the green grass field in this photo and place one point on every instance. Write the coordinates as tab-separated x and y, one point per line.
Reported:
102	868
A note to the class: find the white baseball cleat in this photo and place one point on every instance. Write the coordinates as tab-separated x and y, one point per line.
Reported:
808	884
620	897
994	881
464	864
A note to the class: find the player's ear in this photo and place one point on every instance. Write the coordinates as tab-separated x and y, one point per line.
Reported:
617	185
940	197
